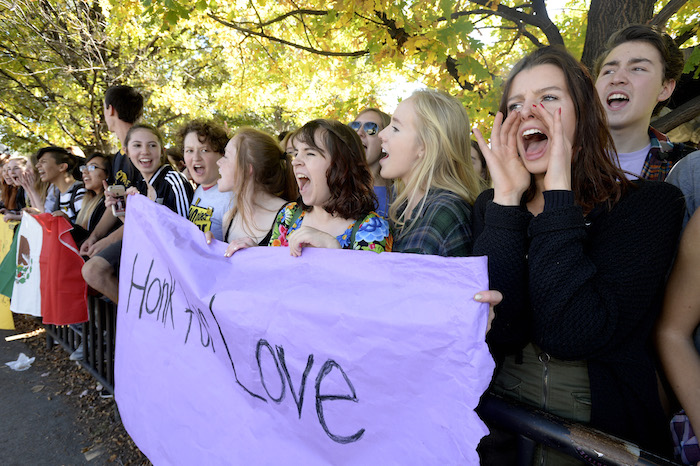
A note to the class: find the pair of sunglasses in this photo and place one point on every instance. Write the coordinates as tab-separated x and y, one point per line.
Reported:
369	127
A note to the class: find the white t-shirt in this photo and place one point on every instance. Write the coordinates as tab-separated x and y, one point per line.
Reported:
633	162
208	209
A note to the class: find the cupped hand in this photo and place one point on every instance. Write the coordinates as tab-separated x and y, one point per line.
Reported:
310	237
27	179
558	176
238	244
510	177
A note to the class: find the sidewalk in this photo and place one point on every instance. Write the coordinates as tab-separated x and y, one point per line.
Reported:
36	425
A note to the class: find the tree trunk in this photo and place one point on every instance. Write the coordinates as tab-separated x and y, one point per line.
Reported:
605	17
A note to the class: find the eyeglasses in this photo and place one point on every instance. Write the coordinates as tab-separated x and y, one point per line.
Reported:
369	127
90	168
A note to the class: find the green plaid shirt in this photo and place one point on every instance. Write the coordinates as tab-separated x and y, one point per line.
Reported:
442	228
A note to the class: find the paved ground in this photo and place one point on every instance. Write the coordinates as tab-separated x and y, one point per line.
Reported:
36	425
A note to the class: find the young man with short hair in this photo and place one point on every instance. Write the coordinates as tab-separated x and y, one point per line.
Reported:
123	106
636	75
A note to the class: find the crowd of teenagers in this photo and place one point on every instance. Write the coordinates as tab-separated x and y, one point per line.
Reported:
586	213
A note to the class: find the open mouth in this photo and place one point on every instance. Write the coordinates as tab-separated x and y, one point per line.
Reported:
146	163
617	100
384	154
534	142
198	170
303	182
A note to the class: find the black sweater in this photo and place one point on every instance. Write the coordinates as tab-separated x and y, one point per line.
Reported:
588	288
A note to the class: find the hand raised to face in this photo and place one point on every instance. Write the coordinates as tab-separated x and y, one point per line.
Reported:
509	175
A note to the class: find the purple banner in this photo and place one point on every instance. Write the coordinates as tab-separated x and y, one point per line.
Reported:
334	357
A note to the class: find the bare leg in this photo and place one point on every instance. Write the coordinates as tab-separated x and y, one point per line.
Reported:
100	275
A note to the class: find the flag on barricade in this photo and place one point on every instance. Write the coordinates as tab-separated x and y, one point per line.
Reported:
48	280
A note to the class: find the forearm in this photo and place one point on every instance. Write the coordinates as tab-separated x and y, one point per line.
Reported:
116	235
105	225
681	362
35	199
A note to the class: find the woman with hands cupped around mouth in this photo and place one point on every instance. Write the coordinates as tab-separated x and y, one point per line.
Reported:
336	205
580	254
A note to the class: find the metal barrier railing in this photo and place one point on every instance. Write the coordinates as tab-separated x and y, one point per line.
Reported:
531	425
98	336
579	441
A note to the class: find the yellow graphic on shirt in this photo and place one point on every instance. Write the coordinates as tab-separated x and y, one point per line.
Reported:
201	216
122	179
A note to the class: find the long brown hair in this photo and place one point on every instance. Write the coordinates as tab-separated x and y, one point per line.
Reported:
595	174
348	176
9	192
271	171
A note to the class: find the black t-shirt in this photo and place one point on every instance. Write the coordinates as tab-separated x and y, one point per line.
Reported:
123	171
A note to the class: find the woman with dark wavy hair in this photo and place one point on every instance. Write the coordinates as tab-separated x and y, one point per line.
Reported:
336	206
579	253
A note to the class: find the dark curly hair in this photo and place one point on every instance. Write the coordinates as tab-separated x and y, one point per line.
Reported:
208	132
348	176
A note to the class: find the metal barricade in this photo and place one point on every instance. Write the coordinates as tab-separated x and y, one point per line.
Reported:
98	336
579	441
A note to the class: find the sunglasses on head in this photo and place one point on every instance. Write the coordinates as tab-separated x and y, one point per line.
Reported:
369	127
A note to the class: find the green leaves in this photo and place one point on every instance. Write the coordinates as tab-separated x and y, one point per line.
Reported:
274	63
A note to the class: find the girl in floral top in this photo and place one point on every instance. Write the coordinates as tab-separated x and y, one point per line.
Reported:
337	199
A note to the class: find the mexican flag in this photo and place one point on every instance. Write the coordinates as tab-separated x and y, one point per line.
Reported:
48	281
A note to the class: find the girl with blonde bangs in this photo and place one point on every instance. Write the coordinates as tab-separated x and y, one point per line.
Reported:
427	150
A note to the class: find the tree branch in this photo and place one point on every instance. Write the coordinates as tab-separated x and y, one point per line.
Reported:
299	11
539	19
678	116
7	113
324	53
670	9
452	69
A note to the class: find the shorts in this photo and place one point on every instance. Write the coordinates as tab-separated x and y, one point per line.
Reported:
112	254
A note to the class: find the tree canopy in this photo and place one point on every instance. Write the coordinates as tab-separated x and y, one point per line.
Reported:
276	64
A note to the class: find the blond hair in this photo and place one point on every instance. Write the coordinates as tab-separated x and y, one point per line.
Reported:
442	125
